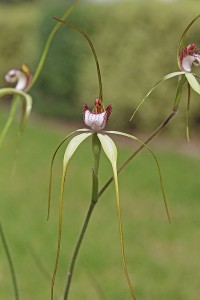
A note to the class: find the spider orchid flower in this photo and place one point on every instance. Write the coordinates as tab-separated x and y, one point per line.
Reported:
96	120
22	77
189	56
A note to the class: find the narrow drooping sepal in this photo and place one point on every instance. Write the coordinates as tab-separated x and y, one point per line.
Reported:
110	150
70	150
26	103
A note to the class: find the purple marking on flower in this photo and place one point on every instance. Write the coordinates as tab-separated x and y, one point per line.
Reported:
22	77
98	117
189	56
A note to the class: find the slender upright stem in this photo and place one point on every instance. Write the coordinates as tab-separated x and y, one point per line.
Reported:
76	250
147	141
12	271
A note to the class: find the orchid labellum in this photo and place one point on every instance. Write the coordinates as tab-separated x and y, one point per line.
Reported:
96	120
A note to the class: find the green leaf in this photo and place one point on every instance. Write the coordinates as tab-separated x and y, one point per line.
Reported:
193	82
182	40
156	160
70	150
168	76
111	152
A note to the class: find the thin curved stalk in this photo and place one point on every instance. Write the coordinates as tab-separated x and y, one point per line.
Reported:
93	51
48	43
11	266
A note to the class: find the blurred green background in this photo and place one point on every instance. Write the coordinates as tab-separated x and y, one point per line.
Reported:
136	43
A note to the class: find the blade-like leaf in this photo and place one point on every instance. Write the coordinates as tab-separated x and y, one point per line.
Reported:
168	76
193	82
71	148
156	160
111	152
182	40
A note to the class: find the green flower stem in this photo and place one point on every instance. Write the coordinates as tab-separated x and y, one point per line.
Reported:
76	250
16	293
9	120
147	141
96	147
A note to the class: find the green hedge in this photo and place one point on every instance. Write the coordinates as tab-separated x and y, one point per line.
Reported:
136	43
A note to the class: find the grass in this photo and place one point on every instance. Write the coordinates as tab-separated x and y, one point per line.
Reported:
163	260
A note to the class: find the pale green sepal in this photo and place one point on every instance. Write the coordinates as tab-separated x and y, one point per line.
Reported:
168	76
193	82
111	152
26	109
26	103
71	148
156	160
9	120
52	162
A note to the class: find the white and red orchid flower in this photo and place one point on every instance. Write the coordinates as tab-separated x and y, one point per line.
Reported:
189	56
96	120
22	77
98	117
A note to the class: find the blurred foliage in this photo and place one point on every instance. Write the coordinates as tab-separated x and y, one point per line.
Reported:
135	45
